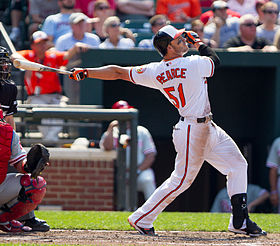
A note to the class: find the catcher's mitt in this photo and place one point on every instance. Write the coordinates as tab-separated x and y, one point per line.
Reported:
37	159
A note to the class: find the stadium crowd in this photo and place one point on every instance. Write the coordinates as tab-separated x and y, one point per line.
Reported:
125	24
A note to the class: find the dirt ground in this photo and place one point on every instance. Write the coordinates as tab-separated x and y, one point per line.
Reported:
87	237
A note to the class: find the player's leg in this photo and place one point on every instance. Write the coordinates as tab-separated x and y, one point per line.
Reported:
189	141
146	182
225	156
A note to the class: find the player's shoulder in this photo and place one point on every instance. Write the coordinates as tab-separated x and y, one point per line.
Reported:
142	130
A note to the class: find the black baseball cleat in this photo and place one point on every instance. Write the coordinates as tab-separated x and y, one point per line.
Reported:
251	229
143	231
37	224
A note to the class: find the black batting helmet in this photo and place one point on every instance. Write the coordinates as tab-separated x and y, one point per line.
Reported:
5	64
164	36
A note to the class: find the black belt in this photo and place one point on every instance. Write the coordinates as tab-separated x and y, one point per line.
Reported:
200	120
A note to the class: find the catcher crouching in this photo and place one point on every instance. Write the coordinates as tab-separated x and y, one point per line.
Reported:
20	192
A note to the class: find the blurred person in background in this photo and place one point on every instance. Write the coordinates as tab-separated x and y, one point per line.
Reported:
146	152
156	22
39	11
208	15
135	9
58	24
260	13
85	40
273	163
18	7
101	12
243	6
256	196
198	27
247	39
45	87
269	27
179	10
221	27
87	7
114	40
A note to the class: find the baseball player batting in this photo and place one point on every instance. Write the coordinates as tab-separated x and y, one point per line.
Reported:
182	80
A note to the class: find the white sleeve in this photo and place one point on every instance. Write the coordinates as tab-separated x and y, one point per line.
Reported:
273	159
143	75
148	143
205	66
18	153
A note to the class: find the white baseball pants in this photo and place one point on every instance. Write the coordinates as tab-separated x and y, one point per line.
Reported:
194	144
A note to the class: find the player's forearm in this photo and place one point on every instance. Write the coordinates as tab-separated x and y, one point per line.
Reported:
19	166
148	161
259	200
108	141
273	177
110	72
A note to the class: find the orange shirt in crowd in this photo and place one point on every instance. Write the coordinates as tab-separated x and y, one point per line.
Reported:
43	82
173	8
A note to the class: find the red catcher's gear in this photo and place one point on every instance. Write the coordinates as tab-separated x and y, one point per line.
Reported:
14	226
31	194
6	136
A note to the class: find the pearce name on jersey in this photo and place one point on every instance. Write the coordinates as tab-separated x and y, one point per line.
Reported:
171	74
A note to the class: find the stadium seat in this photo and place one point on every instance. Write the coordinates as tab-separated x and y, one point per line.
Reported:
137	25
142	35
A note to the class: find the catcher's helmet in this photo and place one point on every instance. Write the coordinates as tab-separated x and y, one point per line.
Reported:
5	64
121	105
164	36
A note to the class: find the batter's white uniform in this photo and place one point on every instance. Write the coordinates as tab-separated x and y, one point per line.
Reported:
273	161
146	178
183	82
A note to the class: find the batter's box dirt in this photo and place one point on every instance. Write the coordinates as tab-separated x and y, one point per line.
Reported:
90	237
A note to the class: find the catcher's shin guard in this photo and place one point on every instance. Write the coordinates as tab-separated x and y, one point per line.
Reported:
239	209
30	195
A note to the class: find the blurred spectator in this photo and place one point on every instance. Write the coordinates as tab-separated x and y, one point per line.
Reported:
179	10
38	12
157	22
17	9
269	27
208	15
273	162
276	41
135	9
221	27
260	13
101	12
44	87
146	152
114	38
256	196
56	25
198	27
243	6
83	40
87	7
78	35
247	39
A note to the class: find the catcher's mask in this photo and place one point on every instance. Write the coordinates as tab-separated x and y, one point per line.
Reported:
121	105
5	64
164	36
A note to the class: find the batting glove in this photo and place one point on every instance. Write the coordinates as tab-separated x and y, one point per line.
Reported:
78	74
191	37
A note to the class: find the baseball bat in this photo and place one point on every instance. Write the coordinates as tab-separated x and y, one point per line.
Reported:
33	66
7	38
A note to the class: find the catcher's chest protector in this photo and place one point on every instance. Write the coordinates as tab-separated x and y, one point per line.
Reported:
6	136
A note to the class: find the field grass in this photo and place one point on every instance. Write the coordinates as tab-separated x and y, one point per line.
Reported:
166	221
